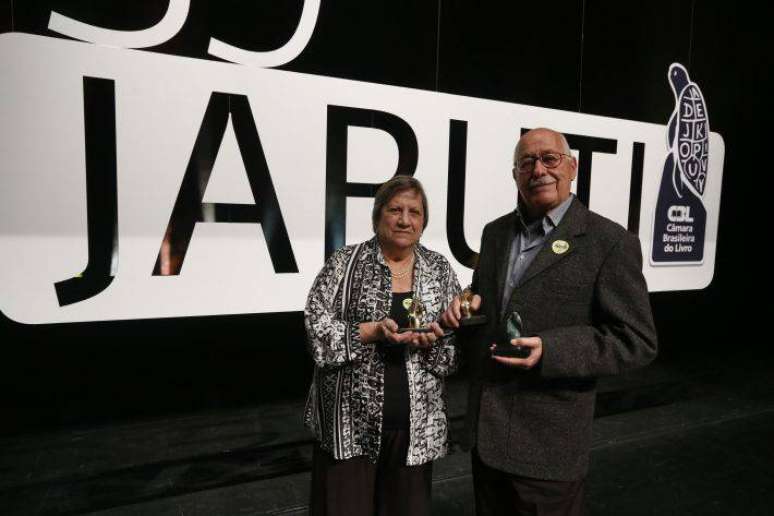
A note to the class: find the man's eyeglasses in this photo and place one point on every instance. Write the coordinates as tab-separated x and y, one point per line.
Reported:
548	159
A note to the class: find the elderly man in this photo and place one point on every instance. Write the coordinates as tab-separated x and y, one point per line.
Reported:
576	279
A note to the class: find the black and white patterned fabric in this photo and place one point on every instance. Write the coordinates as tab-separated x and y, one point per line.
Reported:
346	399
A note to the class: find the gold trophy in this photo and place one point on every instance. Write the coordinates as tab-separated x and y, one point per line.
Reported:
468	318
416	316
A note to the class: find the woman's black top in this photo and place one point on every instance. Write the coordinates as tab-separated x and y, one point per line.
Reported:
396	394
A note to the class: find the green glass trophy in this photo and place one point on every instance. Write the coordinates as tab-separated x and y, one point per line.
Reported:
512	330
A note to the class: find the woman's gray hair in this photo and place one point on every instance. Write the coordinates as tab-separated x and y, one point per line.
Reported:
390	189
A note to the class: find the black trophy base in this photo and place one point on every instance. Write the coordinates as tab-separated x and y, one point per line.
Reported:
473	320
511	351
415	330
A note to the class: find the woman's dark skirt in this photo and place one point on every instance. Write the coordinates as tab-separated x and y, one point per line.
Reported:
355	487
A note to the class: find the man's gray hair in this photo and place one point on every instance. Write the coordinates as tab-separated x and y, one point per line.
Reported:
565	145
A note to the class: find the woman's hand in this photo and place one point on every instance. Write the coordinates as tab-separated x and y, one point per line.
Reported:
425	339
386	330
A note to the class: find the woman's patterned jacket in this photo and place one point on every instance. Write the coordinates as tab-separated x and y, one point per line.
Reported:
346	399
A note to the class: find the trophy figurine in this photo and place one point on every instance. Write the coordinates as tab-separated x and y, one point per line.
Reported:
512	330
468	318
416	317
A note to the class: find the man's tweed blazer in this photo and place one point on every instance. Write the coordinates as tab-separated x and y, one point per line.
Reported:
590	306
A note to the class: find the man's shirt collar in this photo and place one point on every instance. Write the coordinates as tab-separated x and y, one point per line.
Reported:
550	220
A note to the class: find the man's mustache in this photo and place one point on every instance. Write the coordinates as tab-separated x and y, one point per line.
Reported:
541	181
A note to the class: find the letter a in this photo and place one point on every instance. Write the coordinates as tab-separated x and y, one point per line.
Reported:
189	208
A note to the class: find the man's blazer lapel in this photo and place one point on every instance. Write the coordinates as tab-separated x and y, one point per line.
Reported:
503	239
572	226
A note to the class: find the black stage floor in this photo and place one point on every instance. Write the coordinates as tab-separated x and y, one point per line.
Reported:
683	437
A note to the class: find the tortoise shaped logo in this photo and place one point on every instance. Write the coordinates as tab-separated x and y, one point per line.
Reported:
688	133
680	217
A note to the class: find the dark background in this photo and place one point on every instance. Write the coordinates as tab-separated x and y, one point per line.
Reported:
599	57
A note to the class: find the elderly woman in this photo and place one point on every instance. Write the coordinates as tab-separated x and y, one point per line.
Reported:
377	402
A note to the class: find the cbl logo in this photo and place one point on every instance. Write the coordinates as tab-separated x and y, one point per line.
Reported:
680	218
679	214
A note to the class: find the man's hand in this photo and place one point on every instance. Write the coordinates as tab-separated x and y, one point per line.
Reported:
535	344
451	317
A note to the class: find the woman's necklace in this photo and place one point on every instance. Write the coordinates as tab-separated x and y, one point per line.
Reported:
401	274
405	272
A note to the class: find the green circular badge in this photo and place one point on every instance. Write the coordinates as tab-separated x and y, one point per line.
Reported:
560	246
